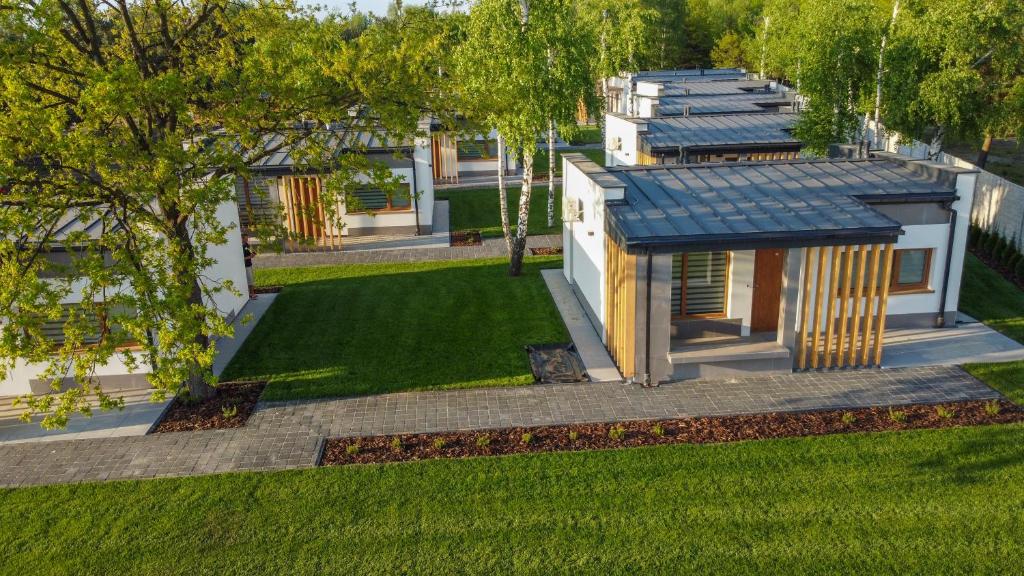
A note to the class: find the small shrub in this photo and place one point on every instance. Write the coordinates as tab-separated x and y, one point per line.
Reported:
352	449
897	416
983	239
439	443
999	249
229	412
992	408
483	441
526	438
849	418
991	243
1015	261
1018	271
617	432
973	235
1009	252
396	444
573	435
944	413
657	431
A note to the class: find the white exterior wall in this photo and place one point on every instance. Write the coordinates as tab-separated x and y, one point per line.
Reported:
625	152
229	266
646	106
584	254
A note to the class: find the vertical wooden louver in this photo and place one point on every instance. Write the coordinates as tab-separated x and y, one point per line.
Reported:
842	321
620	306
307	222
445	156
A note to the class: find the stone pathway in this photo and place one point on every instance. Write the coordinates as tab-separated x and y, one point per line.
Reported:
288	434
491	248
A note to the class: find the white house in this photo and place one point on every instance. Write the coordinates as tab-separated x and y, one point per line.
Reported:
622	89
699	138
115	375
721	270
279	186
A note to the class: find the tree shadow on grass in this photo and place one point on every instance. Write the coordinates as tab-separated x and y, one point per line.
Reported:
977	457
352	330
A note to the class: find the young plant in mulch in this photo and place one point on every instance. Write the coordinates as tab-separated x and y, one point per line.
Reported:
229	407
465	238
677	431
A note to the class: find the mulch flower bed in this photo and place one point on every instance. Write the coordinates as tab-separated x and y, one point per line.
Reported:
545	251
466	238
396	448
266	289
229	407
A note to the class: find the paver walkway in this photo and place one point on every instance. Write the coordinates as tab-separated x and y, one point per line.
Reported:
289	434
491	248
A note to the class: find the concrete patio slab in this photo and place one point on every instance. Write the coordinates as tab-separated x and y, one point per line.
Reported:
596	360
140	413
967	342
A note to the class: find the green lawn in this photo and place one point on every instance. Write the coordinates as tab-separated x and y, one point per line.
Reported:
479	209
540	161
922	502
987	296
374	328
589	134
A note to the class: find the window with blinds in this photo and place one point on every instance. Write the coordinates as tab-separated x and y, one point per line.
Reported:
370	199
96	324
700	282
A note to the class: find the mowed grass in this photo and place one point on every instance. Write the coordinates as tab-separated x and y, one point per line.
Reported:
375	328
540	161
922	502
480	209
987	296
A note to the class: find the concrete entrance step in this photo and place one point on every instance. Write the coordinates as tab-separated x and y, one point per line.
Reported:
728	351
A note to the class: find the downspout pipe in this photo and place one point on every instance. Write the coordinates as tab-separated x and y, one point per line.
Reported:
647	322
940	319
415	193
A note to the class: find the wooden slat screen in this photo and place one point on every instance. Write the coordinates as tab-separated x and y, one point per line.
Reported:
620	306
307	222
842	318
445	153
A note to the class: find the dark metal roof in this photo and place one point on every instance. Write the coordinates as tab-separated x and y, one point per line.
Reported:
721	104
718	130
692	74
333	142
761	205
677	88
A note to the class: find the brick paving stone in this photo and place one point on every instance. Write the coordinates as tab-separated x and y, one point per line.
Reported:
282	435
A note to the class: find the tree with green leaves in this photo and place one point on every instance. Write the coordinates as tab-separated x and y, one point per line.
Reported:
137	116
956	68
729	52
526	64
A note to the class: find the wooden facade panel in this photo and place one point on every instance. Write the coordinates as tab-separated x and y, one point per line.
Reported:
620	307
306	218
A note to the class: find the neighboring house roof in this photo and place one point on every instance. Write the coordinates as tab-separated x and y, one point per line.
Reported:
764	205
336	142
682	87
707	131
721	104
693	74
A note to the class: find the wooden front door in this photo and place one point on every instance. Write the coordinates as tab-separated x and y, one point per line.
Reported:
767	290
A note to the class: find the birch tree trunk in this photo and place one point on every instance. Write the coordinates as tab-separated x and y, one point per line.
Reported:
506	229
986	146
881	74
519	242
935	146
551	173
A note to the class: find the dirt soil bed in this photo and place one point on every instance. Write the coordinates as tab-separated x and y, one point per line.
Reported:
230	407
395	448
545	251
466	238
266	289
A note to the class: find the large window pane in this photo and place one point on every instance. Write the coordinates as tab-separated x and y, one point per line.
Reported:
912	267
702	291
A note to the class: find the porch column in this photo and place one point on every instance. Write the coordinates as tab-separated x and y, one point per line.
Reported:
661	316
789	305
